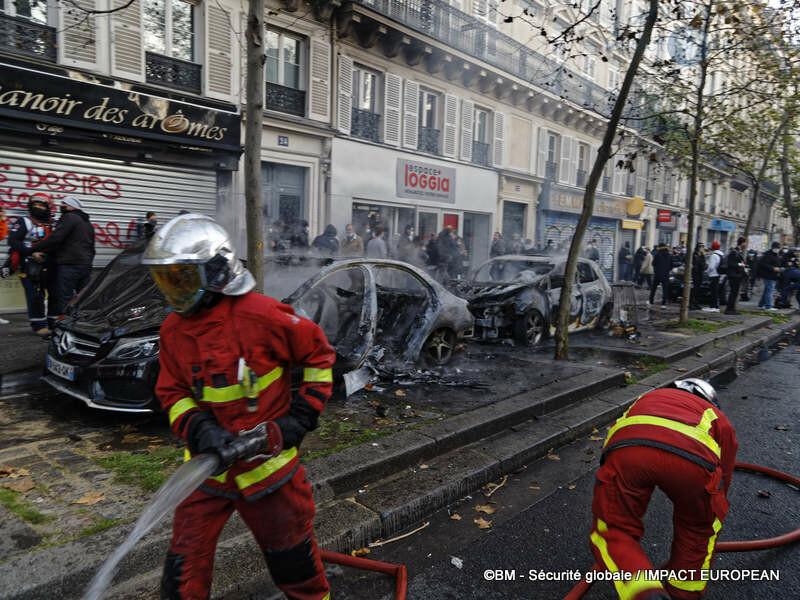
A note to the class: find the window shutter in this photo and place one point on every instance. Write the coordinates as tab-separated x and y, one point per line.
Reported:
77	37
411	115
493	14
219	66
590	166
127	49
450	132
619	181
566	160
344	107
499	139
319	81
573	168
467	123
392	101
541	165
480	8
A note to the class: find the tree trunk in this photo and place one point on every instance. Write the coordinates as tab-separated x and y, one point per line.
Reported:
252	141
603	153
786	180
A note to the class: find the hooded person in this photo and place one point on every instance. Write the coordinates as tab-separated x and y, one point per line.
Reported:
72	247
327	243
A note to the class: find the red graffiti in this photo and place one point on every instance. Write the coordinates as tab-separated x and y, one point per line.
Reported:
74	183
109	235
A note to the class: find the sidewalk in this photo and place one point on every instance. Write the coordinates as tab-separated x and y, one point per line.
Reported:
20	348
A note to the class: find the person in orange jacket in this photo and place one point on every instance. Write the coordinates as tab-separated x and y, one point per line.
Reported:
225	357
678	439
3	223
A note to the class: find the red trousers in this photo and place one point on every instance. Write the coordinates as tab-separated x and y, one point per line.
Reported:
622	492
281	523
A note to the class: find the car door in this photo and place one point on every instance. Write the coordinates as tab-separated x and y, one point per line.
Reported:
341	300
556	283
591	292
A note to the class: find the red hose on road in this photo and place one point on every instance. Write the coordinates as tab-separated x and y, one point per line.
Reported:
398	571
583	586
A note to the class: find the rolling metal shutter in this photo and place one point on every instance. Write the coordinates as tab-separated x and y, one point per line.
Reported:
560	227
116	194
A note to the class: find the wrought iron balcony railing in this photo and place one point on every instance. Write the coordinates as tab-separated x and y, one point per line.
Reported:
550	170
429	140
648	195
173	72
436	19
580	179
286	100
365	125
629	189
480	153
28	38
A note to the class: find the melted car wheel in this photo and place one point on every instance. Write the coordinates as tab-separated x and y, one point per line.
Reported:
440	346
529	329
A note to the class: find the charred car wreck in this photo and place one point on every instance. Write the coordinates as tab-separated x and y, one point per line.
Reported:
105	351
516	297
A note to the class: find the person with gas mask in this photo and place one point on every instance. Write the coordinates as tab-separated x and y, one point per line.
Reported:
71	246
36	276
678	439
226	354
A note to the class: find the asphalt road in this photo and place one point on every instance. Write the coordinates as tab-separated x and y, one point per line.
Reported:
547	529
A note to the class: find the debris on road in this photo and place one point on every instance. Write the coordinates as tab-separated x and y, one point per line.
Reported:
377	543
482	523
485	508
764	494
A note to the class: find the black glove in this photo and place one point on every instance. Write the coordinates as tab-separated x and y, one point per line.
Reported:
204	434
291	430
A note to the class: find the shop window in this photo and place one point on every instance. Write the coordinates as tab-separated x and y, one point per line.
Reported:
285	73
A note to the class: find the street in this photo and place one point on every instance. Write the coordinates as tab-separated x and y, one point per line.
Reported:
541	516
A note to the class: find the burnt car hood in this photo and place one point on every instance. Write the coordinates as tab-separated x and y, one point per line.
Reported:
491	292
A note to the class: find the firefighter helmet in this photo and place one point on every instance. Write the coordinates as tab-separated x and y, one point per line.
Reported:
191	255
698	387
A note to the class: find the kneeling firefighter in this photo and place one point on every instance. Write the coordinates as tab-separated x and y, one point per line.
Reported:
678	439
225	356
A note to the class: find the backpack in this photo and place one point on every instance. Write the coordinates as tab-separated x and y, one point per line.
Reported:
722	268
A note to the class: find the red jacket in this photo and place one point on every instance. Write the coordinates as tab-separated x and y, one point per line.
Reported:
199	358
681	423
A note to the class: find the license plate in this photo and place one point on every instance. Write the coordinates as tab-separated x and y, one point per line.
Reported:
61	369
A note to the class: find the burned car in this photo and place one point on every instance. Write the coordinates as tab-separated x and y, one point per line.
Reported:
105	351
517	297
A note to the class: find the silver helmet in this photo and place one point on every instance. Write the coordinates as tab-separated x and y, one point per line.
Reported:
698	387
190	255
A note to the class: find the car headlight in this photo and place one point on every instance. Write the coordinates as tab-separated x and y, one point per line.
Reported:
132	348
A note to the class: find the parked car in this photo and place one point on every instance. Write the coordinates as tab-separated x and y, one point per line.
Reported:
105	351
517	297
704	294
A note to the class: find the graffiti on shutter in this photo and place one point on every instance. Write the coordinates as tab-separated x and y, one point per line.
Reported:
560	228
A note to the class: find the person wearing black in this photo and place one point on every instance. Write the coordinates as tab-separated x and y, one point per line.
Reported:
498	245
326	244
144	231
662	264
736	273
752	268
447	254
625	262
698	269
72	243
299	237
592	253
769	269
638	259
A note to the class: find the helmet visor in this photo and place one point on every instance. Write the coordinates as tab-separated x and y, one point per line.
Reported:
182	284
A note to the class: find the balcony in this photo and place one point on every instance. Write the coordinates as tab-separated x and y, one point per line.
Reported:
606	184
28	38
480	153
550	171
429	141
629	189
365	124
173	72
286	100
580	179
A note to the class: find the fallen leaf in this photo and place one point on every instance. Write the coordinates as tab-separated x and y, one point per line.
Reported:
455	517
380	421
19	473
594	430
534	487
400	393
363	551
571	487
6	471
20	486
764	494
127	427
90	498
699	354
423	466
553	456
588	460
782	428
485	508
680	369
482	523
596	438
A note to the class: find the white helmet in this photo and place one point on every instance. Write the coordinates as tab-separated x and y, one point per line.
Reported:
190	255
698	387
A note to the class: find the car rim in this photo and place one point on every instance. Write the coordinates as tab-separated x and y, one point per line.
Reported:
534	328
440	345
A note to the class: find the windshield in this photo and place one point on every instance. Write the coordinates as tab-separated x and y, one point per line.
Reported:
509	270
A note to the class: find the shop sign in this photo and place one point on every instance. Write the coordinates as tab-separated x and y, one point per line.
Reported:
564	201
631	224
33	95
635	206
665	216
424	181
722	225
667	219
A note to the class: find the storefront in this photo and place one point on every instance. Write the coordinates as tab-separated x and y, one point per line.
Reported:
122	153
726	230
560	208
670	224
371	185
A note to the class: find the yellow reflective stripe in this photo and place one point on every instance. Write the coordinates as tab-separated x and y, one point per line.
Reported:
693	432
699	586
180	407
622	418
237	391
327	596
318	375
187	456
266	469
626	589
709	416
688	586
711	542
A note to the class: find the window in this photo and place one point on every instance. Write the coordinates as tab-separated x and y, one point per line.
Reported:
585	273
365	89
528	8
614	78
428	102
34	10
589	63
284	65
552	148
169	28
583	157
481	128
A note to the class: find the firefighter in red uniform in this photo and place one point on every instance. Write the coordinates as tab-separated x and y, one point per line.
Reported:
225	356
677	439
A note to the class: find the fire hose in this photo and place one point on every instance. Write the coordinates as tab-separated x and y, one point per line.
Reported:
746	546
